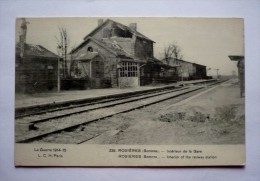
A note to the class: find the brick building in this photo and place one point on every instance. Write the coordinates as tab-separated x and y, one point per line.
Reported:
115	55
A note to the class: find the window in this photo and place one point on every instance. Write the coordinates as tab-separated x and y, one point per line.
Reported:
128	69
90	49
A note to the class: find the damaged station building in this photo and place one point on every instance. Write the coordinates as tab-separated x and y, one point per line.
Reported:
112	55
115	55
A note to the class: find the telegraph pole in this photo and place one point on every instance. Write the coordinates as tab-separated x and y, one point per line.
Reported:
23	32
58	65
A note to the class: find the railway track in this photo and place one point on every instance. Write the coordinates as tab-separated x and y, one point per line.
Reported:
48	108
38	110
77	118
68	111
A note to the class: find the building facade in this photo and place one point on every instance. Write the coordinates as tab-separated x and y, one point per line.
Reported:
114	55
187	70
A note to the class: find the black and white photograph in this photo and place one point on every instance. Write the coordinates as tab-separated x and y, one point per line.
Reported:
130	81
129	90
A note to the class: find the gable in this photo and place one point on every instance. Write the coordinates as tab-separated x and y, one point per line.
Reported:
90	44
111	27
105	48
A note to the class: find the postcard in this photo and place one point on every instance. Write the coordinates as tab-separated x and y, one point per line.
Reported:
129	91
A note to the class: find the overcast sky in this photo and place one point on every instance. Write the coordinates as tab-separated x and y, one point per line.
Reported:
203	41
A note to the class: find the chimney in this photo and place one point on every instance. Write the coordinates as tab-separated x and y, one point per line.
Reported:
100	22
133	26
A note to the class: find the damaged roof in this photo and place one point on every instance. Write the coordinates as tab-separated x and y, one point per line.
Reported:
35	50
121	26
110	45
114	47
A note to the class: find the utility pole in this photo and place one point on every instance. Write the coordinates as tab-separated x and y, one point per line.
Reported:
58	74
23	33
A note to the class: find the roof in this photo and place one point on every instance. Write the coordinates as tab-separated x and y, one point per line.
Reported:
111	45
86	56
138	34
199	65
236	57
108	44
160	63
35	50
171	58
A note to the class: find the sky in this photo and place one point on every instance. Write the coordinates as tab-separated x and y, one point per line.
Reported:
206	41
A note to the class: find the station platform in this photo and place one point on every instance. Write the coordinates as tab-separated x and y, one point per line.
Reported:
48	98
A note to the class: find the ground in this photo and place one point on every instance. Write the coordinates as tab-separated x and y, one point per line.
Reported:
216	116
211	115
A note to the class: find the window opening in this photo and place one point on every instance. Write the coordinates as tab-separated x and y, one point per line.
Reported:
128	69
90	49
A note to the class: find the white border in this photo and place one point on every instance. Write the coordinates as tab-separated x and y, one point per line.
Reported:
247	9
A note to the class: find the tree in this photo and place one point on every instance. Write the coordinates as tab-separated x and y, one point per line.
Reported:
172	51
63	44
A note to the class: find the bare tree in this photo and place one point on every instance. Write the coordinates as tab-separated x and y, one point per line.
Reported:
172	51
63	44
